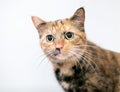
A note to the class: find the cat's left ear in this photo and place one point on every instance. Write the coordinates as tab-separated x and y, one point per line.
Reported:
79	17
37	21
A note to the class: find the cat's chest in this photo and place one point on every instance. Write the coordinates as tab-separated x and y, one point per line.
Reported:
71	76
79	78
62	71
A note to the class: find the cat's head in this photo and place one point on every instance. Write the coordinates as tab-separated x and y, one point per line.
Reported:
61	39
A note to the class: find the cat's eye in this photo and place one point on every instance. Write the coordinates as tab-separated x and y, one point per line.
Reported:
69	35
49	38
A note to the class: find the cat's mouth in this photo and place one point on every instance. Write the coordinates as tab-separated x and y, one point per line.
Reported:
57	52
61	55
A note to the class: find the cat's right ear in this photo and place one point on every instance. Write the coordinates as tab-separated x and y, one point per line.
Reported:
79	17
37	22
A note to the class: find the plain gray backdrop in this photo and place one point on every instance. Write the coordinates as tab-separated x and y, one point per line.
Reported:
23	67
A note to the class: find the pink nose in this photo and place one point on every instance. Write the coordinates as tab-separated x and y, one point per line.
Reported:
59	46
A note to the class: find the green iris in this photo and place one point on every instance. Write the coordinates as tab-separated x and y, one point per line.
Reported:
49	38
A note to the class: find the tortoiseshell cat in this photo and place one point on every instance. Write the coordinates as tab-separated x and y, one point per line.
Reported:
79	65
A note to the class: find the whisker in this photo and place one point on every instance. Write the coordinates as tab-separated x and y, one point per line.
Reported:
92	61
88	56
86	51
78	47
87	60
85	45
45	57
42	55
78	57
76	61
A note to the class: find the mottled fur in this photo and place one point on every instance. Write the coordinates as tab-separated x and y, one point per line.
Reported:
79	65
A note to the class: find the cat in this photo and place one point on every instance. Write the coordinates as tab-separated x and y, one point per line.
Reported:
79	64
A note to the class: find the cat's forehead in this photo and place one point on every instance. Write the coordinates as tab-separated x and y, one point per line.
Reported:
60	25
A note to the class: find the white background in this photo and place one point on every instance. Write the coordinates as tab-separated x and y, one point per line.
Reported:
21	69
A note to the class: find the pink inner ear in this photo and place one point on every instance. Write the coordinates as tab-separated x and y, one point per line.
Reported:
36	21
79	15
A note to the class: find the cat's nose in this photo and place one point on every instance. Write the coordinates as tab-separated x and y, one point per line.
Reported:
58	49
59	46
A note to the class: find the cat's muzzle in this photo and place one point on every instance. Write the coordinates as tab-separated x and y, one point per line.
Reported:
57	51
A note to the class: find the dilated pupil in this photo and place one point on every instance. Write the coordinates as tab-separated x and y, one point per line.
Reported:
68	35
49	37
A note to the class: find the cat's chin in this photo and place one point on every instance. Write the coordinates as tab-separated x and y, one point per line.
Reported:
62	58
59	58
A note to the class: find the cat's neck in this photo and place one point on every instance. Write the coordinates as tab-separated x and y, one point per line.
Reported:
83	63
70	67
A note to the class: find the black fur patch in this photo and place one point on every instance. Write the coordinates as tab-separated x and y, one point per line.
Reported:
57	72
67	78
69	90
76	69
81	90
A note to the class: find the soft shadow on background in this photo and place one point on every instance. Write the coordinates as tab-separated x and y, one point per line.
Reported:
21	69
